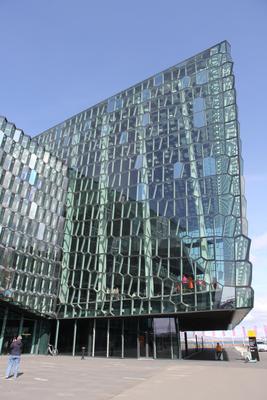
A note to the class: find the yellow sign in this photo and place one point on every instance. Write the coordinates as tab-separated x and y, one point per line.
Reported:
251	333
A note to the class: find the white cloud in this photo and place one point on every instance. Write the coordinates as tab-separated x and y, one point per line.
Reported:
258	316
259	242
255	178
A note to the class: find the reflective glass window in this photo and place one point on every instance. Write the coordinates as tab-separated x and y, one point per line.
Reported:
123	137
141	191
7	178
24	172
104	130
209	166
32	161
111	105
139	162
145	119
24	156
32	177
146	94
177	170
185	82
46	157
40	232
2	135
33	210
7	162
198	104
158	80
118	104
199	119
202	77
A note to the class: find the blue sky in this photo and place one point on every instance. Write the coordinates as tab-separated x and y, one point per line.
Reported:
59	57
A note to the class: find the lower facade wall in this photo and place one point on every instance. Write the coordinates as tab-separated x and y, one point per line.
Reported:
136	337
35	331
128	337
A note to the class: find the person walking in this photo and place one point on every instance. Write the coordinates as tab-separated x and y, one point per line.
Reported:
218	350
14	357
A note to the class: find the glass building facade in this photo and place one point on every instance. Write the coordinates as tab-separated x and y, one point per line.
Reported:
135	219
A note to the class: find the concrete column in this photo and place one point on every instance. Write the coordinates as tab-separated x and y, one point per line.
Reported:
154	344
171	339
186	344
56	336
93	347
122	339
137	340
108	327
178	338
89	345
74	337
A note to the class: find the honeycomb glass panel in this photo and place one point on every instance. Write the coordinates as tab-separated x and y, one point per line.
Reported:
138	201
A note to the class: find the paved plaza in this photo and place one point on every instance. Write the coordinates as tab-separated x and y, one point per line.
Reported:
63	377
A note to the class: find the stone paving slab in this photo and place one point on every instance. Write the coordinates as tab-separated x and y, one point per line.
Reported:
46	377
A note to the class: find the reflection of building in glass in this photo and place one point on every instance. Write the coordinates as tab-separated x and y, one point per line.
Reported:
153	213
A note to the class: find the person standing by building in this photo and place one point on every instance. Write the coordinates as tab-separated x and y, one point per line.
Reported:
218	351
14	357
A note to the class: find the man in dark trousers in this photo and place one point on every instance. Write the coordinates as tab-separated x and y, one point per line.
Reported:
14	357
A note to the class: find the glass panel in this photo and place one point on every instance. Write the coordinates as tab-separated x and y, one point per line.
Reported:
33	210
199	119
27	334
115	342
111	105
142	192
146	94
32	162
32	177
40	233
158	80
202	77
198	104
84	336
209	166
101	338
145	119
163	337
139	162
123	137
184	82
145	337
65	341
130	337
177	170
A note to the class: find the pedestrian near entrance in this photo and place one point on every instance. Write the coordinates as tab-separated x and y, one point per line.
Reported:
14	357
218	351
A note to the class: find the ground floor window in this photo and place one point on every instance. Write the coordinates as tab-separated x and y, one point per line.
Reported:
143	337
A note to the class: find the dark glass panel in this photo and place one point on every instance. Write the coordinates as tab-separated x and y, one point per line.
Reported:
115	338
101	338
130	337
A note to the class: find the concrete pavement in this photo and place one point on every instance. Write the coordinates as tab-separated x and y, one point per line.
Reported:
46	377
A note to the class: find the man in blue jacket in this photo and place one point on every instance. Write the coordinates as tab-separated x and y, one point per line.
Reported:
14	357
